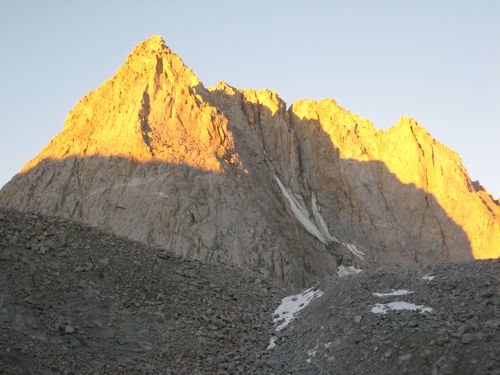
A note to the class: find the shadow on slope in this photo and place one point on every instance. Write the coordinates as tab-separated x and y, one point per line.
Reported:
362	202
240	216
225	218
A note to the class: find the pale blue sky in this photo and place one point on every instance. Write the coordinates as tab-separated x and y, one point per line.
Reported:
436	61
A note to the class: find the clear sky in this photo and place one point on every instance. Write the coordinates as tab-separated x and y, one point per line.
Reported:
437	61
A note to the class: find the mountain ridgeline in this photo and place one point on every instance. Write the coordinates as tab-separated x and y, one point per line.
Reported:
226	175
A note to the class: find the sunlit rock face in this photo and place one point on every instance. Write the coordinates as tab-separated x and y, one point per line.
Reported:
149	111
233	176
402	181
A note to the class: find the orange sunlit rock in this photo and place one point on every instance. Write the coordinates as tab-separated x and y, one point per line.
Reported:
149	110
415	157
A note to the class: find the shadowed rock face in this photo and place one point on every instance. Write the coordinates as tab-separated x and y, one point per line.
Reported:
233	176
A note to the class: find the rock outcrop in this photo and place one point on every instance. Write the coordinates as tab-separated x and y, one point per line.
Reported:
233	176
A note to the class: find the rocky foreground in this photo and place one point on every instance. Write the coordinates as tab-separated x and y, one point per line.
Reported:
364	324
76	300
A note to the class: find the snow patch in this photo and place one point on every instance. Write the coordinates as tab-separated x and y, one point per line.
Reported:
272	343
381	308
399	292
343	271
291	305
300	212
311	353
319	228
353	249
428	277
320	221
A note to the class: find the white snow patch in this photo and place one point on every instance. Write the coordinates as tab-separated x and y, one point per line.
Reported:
318	229
381	308
272	343
428	277
291	305
320	221
311	353
353	249
347	271
399	292
300	212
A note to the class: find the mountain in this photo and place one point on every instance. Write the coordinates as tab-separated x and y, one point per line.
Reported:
233	176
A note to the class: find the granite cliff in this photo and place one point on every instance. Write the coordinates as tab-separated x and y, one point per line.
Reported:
227	175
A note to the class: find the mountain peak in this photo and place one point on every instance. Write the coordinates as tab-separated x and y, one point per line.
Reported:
155	41
147	111
153	45
153	56
407	125
407	121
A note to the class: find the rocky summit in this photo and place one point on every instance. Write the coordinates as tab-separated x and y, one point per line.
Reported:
233	176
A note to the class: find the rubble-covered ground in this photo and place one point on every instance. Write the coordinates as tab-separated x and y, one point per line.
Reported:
77	300
443	320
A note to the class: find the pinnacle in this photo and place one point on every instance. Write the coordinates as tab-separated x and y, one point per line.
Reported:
155	42
410	122
223	86
406	121
152	55
155	45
